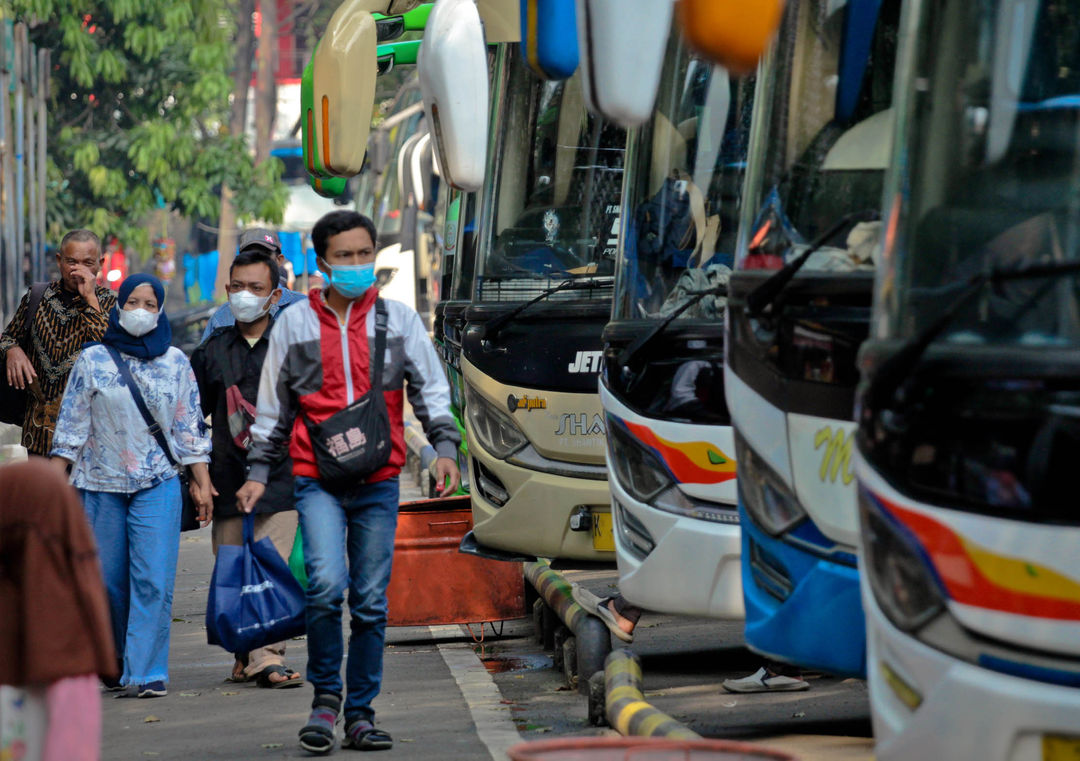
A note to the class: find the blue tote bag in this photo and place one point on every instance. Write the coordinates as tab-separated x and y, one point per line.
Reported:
254	598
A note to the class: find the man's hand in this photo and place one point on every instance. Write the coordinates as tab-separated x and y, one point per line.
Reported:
85	280
20	373
248	494
202	494
446	469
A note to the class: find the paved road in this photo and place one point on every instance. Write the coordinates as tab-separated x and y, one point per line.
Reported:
446	696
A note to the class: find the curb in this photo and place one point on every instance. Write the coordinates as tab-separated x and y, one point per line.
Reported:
592	639
625	704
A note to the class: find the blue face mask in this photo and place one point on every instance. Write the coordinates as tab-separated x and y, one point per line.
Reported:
351	280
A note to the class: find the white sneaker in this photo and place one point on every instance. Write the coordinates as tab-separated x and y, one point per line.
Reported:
760	681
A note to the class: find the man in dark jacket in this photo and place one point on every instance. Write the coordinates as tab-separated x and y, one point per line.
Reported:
227	368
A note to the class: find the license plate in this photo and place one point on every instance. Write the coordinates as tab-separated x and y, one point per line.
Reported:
1061	748
603	533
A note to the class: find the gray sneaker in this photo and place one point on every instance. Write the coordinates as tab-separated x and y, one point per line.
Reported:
762	681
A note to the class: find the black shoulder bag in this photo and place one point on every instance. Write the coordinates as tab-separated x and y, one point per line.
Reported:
189	519
352	444
13	400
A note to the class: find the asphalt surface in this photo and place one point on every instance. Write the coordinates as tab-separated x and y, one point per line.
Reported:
470	692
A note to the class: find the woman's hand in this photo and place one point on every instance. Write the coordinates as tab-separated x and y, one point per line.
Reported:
202	492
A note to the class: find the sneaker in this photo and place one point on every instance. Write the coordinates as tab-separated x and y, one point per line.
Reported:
111	685
153	690
762	681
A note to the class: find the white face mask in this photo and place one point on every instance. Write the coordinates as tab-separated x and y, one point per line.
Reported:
247	307
138	322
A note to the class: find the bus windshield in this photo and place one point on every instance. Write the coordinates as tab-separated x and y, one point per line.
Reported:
551	199
822	136
991	183
683	191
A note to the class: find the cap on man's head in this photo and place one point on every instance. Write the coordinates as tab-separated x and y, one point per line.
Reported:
260	238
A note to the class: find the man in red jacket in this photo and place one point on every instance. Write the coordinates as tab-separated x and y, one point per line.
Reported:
319	362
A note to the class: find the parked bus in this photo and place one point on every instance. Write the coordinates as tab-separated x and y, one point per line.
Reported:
968	428
799	307
671	450
531	345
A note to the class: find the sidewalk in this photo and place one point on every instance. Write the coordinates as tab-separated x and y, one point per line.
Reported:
204	717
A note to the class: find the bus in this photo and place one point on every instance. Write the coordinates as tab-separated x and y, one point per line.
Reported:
798	310
968	424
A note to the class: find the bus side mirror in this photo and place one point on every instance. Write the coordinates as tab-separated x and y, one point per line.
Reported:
454	83
412	21
501	20
549	40
337	94
329	187
390	7
734	33
622	44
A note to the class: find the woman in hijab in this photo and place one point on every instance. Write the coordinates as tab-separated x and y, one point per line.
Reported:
130	490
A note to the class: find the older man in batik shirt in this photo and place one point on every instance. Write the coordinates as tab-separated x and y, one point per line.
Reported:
73	310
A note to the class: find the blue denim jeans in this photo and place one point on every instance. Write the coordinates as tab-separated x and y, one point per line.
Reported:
348	542
138	538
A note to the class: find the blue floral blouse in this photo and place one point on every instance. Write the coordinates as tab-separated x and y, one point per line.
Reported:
101	431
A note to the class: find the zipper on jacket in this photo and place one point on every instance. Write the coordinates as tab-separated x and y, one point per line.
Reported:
349	394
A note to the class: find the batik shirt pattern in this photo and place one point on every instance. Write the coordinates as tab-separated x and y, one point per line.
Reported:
63	323
102	431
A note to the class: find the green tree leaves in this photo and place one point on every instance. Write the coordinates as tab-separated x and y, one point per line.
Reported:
138	115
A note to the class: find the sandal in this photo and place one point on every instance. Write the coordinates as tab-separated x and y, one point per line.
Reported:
317	736
361	734
292	678
238	670
598	606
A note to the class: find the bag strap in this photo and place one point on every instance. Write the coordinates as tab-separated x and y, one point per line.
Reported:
37	291
381	320
151	423
249	528
228	367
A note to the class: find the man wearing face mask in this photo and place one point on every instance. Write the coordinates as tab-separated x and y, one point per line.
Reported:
331	396
265	241
227	368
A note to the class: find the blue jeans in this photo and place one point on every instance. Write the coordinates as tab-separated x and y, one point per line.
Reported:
358	527
138	538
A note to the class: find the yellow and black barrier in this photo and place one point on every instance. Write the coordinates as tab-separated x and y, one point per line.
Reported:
592	640
625	706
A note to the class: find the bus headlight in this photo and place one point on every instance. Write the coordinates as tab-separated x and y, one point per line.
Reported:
647	480
764	494
638	470
494	429
902	583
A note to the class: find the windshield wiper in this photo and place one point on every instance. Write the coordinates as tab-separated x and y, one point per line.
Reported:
492	328
765	295
896	368
645	339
